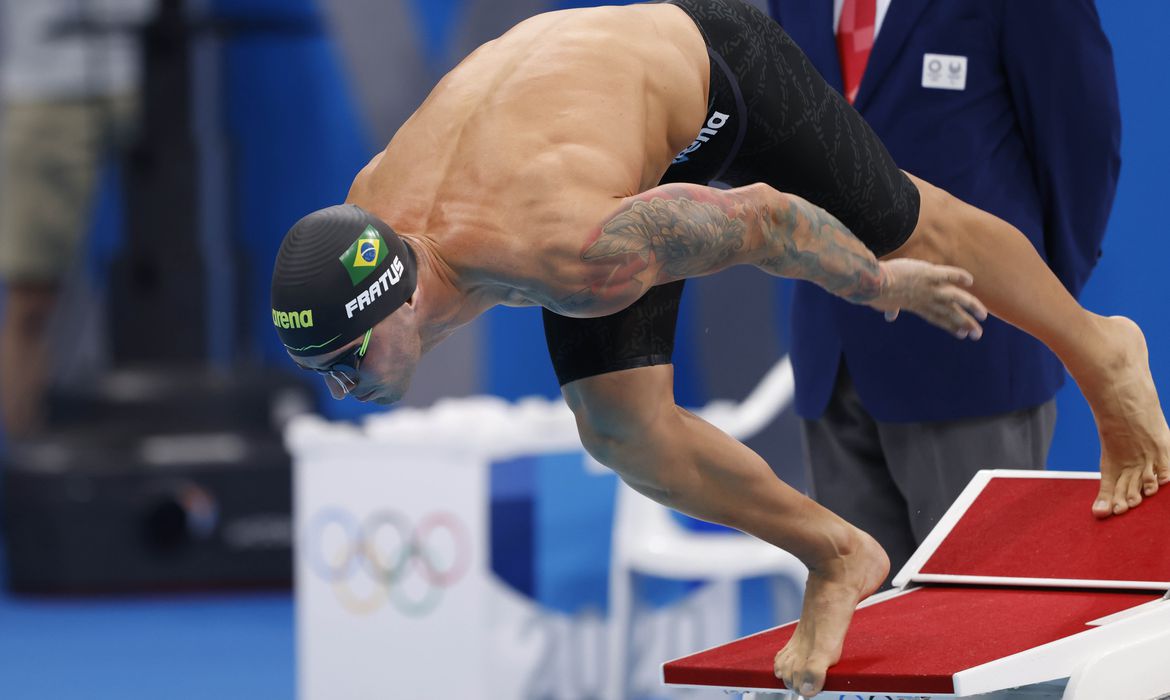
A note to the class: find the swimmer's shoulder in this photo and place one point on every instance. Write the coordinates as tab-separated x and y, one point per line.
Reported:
605	28
361	182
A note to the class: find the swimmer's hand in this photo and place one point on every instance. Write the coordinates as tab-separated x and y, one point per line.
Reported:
934	292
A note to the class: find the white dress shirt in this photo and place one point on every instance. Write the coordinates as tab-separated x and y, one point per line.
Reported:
882	7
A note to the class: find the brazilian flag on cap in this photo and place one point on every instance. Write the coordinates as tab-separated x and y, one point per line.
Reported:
364	256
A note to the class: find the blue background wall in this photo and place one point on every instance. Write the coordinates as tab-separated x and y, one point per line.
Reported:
1132	276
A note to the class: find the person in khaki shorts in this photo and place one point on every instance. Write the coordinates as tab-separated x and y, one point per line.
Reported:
68	100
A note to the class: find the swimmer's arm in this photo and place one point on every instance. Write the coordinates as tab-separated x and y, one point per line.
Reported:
682	230
678	231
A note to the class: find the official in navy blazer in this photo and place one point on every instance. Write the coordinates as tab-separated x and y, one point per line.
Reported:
1010	105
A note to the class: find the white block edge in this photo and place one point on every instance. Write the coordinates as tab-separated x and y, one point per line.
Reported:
1063	657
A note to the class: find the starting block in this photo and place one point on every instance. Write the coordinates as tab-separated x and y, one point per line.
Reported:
1018	585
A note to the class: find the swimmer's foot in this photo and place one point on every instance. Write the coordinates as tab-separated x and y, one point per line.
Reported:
1135	441
834	589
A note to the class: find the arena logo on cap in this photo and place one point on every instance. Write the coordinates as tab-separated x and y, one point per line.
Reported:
292	319
366	253
385	281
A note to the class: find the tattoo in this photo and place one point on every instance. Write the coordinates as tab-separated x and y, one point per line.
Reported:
815	246
676	231
681	230
687	237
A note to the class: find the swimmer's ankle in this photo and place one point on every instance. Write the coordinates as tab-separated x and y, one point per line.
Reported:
1116	343
842	542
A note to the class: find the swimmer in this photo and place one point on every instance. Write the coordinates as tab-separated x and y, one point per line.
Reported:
566	165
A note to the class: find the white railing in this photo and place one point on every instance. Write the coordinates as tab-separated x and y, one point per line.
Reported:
498	428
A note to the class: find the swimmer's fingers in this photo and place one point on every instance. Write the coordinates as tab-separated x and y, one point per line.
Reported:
946	274
961	312
949	305
908	282
952	283
936	293
953	319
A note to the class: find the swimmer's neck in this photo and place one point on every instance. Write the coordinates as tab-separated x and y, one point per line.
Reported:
449	294
442	300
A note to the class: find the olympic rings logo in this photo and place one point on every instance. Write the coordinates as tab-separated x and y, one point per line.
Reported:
385	559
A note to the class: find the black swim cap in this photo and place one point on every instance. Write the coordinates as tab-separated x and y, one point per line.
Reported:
340	271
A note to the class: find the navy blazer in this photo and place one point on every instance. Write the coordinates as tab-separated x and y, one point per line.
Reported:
1034	139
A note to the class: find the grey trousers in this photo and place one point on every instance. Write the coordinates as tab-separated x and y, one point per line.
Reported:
896	480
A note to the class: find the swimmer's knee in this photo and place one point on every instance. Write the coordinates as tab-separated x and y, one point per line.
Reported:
614	439
633	450
619	414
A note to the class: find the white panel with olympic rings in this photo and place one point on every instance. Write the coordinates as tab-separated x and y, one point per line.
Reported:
392	579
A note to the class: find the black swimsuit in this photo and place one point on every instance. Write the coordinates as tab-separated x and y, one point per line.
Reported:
771	118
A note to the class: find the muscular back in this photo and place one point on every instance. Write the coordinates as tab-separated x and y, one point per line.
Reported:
521	149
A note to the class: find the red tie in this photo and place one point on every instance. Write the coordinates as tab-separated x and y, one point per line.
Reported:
854	42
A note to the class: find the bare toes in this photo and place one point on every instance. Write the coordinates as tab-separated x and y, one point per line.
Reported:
1121	494
783	668
1134	495
1103	505
810	681
1149	481
1133	487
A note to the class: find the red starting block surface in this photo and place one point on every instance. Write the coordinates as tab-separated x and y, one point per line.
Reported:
1039	531
1018	584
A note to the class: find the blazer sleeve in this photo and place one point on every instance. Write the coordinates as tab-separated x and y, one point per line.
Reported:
1059	67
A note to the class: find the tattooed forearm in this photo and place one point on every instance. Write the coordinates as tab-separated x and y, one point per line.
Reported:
681	230
813	245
